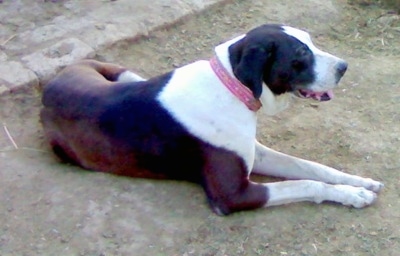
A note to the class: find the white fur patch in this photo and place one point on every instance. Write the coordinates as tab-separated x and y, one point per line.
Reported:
273	104
207	109
301	35
128	76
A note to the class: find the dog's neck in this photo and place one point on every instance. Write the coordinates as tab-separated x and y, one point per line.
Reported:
222	67
271	104
234	85
222	52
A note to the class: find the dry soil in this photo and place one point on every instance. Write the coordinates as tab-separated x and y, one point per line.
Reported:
49	208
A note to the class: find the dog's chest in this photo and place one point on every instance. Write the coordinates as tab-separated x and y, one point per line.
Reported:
199	102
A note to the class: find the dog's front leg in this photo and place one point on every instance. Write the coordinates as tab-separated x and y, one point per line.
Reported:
226	182
271	162
315	191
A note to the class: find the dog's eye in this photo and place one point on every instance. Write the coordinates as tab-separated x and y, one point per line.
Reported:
298	65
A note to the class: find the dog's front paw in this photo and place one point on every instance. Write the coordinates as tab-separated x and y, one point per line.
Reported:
357	197
367	183
372	185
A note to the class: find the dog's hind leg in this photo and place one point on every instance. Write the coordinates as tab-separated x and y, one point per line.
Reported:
273	163
56	138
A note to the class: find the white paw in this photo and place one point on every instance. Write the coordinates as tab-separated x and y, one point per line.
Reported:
357	197
128	76
373	185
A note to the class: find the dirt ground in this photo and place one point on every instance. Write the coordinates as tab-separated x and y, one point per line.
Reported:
48	208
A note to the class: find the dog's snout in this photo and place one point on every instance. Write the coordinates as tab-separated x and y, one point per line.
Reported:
341	69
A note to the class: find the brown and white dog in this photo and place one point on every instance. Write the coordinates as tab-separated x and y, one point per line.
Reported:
198	122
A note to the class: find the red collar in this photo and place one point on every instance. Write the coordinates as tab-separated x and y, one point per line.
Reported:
234	85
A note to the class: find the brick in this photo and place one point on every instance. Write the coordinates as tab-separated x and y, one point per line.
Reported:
3	56
14	75
47	62
34	38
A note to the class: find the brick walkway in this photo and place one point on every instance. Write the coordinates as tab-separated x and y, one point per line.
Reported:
37	38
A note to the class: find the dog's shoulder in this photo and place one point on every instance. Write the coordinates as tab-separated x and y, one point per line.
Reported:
197	99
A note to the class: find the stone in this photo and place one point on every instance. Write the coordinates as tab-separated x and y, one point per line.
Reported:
14	75
3	88
3	56
198	5
34	38
47	62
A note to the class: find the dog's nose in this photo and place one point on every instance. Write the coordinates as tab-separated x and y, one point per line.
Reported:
341	68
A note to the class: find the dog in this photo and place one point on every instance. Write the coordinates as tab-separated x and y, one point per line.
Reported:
198	122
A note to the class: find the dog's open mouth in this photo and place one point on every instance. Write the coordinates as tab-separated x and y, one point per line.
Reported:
320	96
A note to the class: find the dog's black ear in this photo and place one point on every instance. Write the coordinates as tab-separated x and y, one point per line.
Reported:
249	63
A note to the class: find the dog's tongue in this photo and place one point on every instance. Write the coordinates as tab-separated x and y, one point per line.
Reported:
320	96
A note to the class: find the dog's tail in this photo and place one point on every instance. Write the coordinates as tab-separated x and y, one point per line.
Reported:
112	72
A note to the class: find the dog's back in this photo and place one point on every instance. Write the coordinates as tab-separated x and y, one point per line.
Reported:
93	120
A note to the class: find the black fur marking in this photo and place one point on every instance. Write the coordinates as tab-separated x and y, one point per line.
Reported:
135	119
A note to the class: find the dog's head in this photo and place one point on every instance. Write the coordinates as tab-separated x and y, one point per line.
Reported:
285	60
